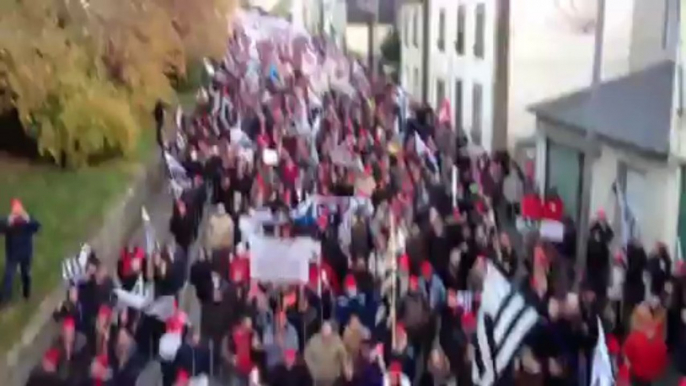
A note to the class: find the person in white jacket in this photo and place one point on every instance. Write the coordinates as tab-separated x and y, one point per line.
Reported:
395	377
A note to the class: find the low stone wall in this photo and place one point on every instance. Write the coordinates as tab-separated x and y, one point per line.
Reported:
118	225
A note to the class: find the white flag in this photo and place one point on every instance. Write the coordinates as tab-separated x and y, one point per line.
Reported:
601	374
503	321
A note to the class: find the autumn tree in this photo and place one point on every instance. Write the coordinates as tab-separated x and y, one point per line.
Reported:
82	73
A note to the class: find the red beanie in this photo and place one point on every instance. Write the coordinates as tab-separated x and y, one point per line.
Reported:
395	367
68	323
427	269
468	322
52	356
350	283
404	263
612	344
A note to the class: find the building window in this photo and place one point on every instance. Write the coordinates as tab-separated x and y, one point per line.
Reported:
416	81
479	33
415	38
441	29
459	39
458	105
477	107
406	29
440	92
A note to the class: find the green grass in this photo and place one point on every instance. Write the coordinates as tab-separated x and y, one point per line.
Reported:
70	205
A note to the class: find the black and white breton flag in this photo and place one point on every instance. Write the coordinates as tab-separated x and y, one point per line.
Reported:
74	268
504	319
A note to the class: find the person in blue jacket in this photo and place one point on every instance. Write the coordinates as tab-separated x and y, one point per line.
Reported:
19	229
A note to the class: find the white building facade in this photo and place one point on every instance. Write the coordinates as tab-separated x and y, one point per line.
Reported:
639	145
461	64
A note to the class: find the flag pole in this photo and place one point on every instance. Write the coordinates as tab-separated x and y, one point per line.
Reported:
589	153
394	284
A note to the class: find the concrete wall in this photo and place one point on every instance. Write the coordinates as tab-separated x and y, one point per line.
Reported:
655	203
120	222
655	199
411	70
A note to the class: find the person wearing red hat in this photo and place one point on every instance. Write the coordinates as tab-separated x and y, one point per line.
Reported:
432	286
182	378
415	313
355	302
598	255
277	338
291	372
19	229
47	373
241	347
395	376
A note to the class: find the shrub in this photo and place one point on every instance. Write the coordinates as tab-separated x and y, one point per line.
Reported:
80	77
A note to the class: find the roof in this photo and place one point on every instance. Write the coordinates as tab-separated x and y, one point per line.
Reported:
357	14
634	110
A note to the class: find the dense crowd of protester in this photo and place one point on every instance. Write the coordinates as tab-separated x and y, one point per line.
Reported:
397	303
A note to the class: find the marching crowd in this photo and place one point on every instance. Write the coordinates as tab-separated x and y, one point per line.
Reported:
394	295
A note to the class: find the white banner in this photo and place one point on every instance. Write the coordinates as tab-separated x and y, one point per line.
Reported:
280	260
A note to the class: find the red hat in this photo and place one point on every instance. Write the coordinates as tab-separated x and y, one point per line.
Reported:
413	282
138	253
182	376
682	382
104	311
289	355
68	323
350	282
16	205
427	269
52	356
404	262
395	367
612	344
468	322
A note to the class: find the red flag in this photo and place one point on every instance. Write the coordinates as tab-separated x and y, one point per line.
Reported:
532	207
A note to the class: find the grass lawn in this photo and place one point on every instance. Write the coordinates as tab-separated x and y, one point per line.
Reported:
70	205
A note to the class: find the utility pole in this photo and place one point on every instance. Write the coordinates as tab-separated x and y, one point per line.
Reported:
426	49
590	151
373	10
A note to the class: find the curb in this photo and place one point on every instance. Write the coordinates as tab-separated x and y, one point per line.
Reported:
119	223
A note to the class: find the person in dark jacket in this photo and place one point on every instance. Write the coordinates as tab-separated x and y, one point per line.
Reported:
291	372
634	286
19	228
181	225
193	356
46	374
659	267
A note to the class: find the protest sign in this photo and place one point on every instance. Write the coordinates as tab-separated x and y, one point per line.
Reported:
279	260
